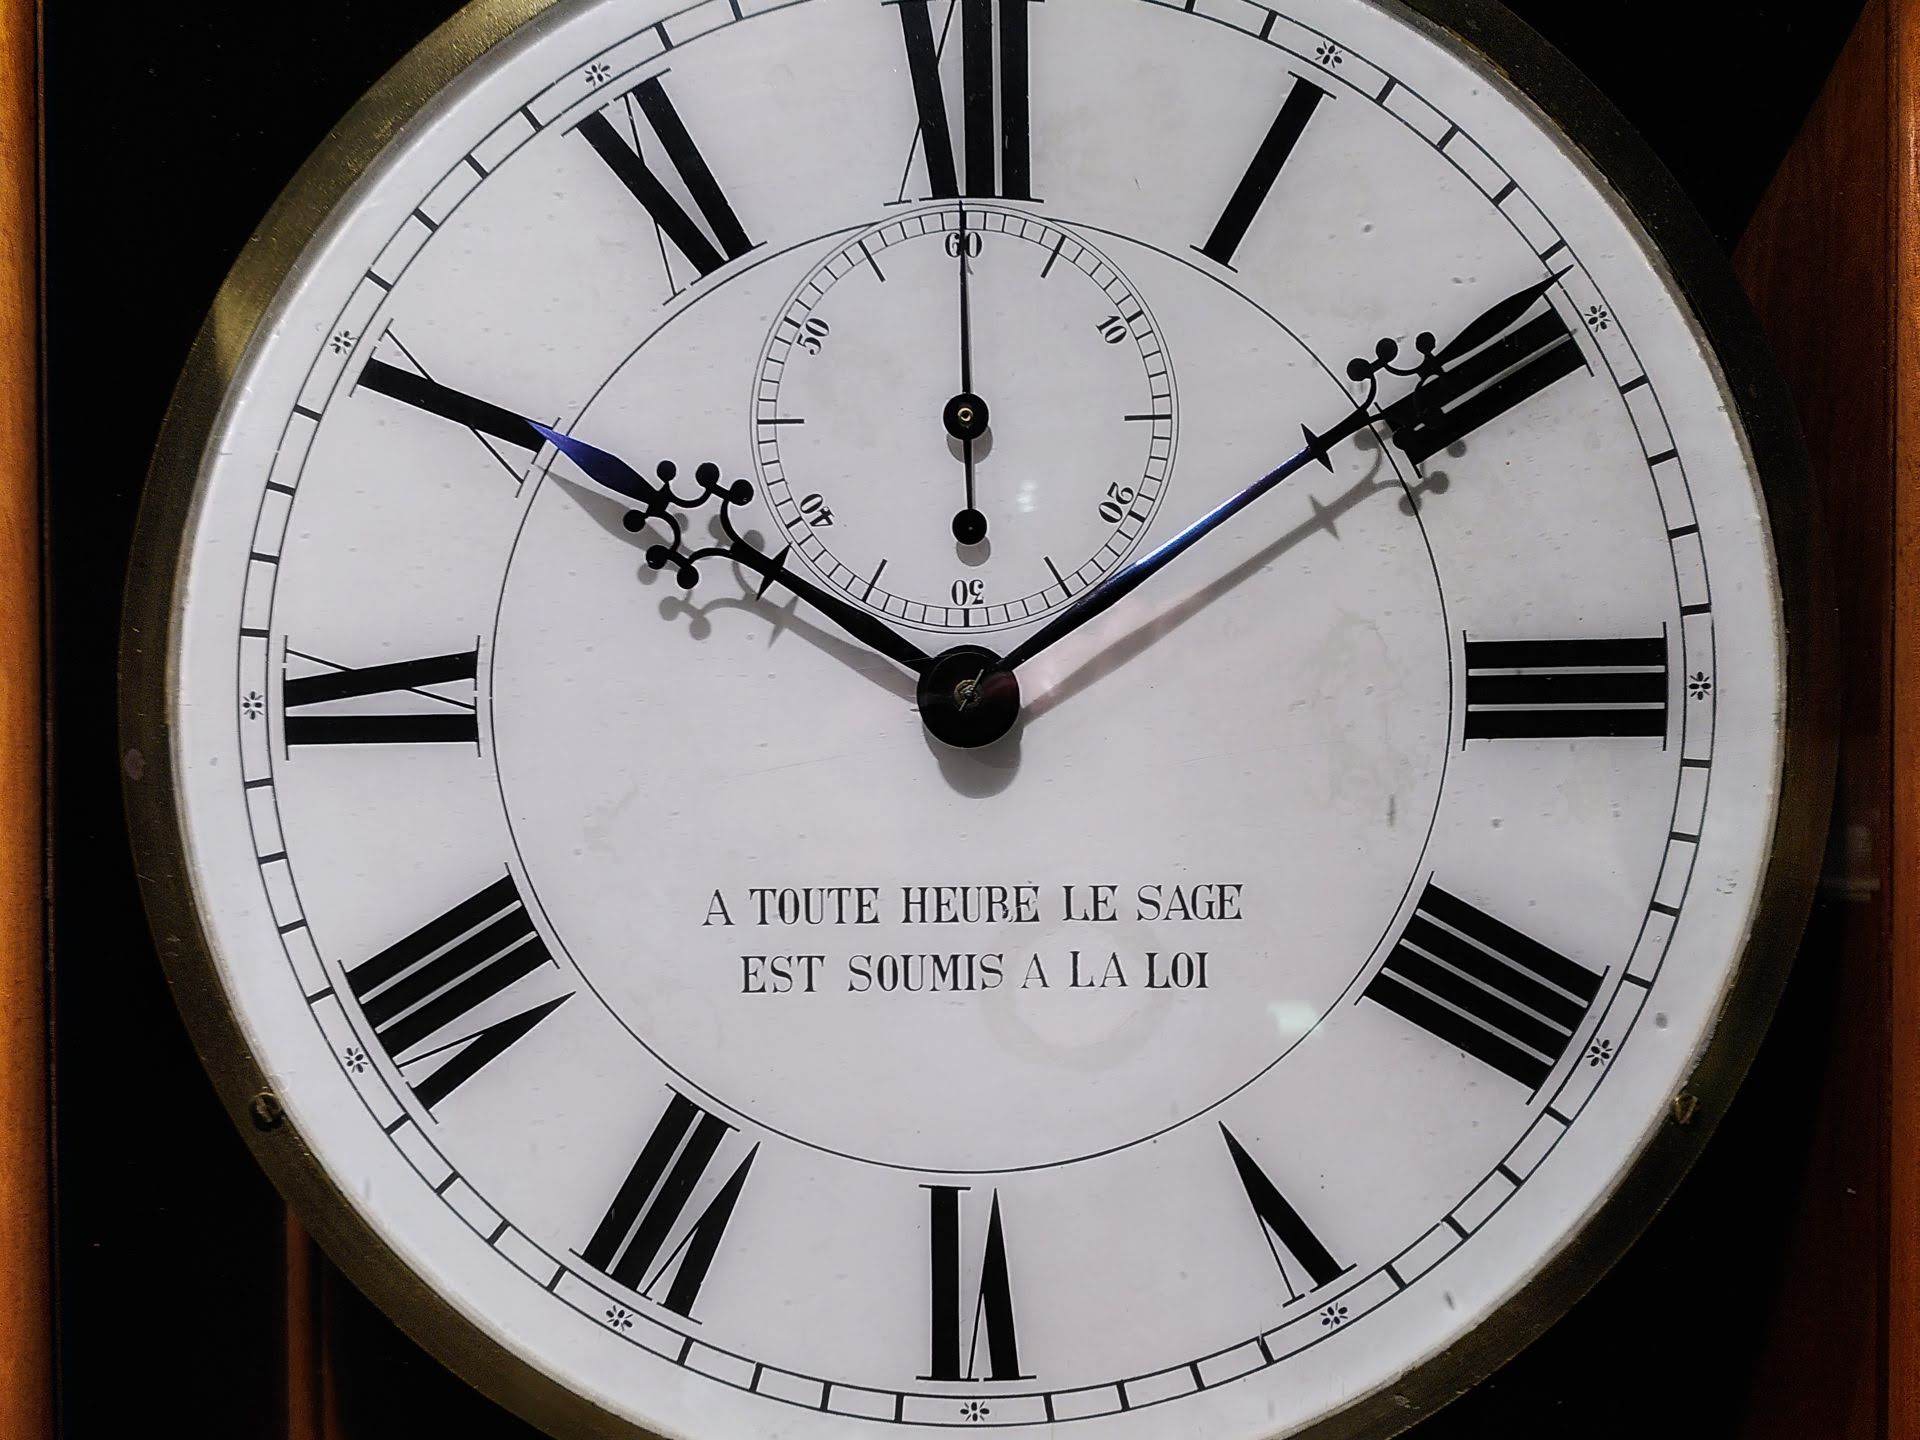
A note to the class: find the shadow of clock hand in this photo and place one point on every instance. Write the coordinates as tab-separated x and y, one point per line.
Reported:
1118	653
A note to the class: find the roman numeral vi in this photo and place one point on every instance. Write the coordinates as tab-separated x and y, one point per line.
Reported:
993	1307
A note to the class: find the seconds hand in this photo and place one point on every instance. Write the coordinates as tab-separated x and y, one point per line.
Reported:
966	413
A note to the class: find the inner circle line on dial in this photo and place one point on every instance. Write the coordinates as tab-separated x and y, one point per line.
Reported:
749	1115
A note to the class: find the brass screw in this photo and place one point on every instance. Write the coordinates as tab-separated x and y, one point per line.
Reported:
267	1111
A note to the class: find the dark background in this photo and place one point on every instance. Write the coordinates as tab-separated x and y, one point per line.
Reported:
169	132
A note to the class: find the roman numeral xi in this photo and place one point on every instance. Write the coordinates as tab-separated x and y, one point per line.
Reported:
421	987
1482	986
993	35
648	102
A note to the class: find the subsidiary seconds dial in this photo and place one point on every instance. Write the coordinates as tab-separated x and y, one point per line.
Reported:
964	417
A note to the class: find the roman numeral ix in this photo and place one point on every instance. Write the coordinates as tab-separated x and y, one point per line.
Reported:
1274	152
1556	689
439	975
1280	1224
648	101
990	132
656	1195
458	722
992	1308
1482	986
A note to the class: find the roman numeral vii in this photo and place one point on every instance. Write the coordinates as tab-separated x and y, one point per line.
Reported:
993	1304
656	1196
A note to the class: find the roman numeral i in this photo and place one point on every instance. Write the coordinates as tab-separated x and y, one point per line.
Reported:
648	101
421	986
991	132
1275	150
1482	986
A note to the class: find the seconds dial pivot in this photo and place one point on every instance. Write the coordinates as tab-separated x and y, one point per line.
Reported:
964	418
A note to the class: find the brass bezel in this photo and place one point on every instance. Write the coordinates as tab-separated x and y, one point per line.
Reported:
1539	76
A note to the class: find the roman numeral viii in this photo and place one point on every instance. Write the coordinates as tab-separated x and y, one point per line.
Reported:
1003	131
655	1196
992	1307
1556	689
1275	150
1285	1232
435	978
457	722
648	101
1481	985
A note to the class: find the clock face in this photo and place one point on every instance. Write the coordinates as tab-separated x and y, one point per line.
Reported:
1053	716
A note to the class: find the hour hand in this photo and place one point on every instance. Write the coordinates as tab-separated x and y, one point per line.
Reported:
657	500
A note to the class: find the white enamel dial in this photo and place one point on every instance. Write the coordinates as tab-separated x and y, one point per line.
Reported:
564	637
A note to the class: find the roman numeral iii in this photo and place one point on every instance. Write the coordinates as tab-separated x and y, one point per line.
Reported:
458	722
992	1307
1556	689
1285	1232
1481	985
656	1195
990	31
649	103
426	984
1275	150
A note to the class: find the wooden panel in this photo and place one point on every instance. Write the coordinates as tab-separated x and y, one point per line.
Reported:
25	1301
1903	1299
1815	262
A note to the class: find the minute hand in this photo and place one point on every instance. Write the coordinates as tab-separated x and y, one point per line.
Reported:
1122	583
1491	346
